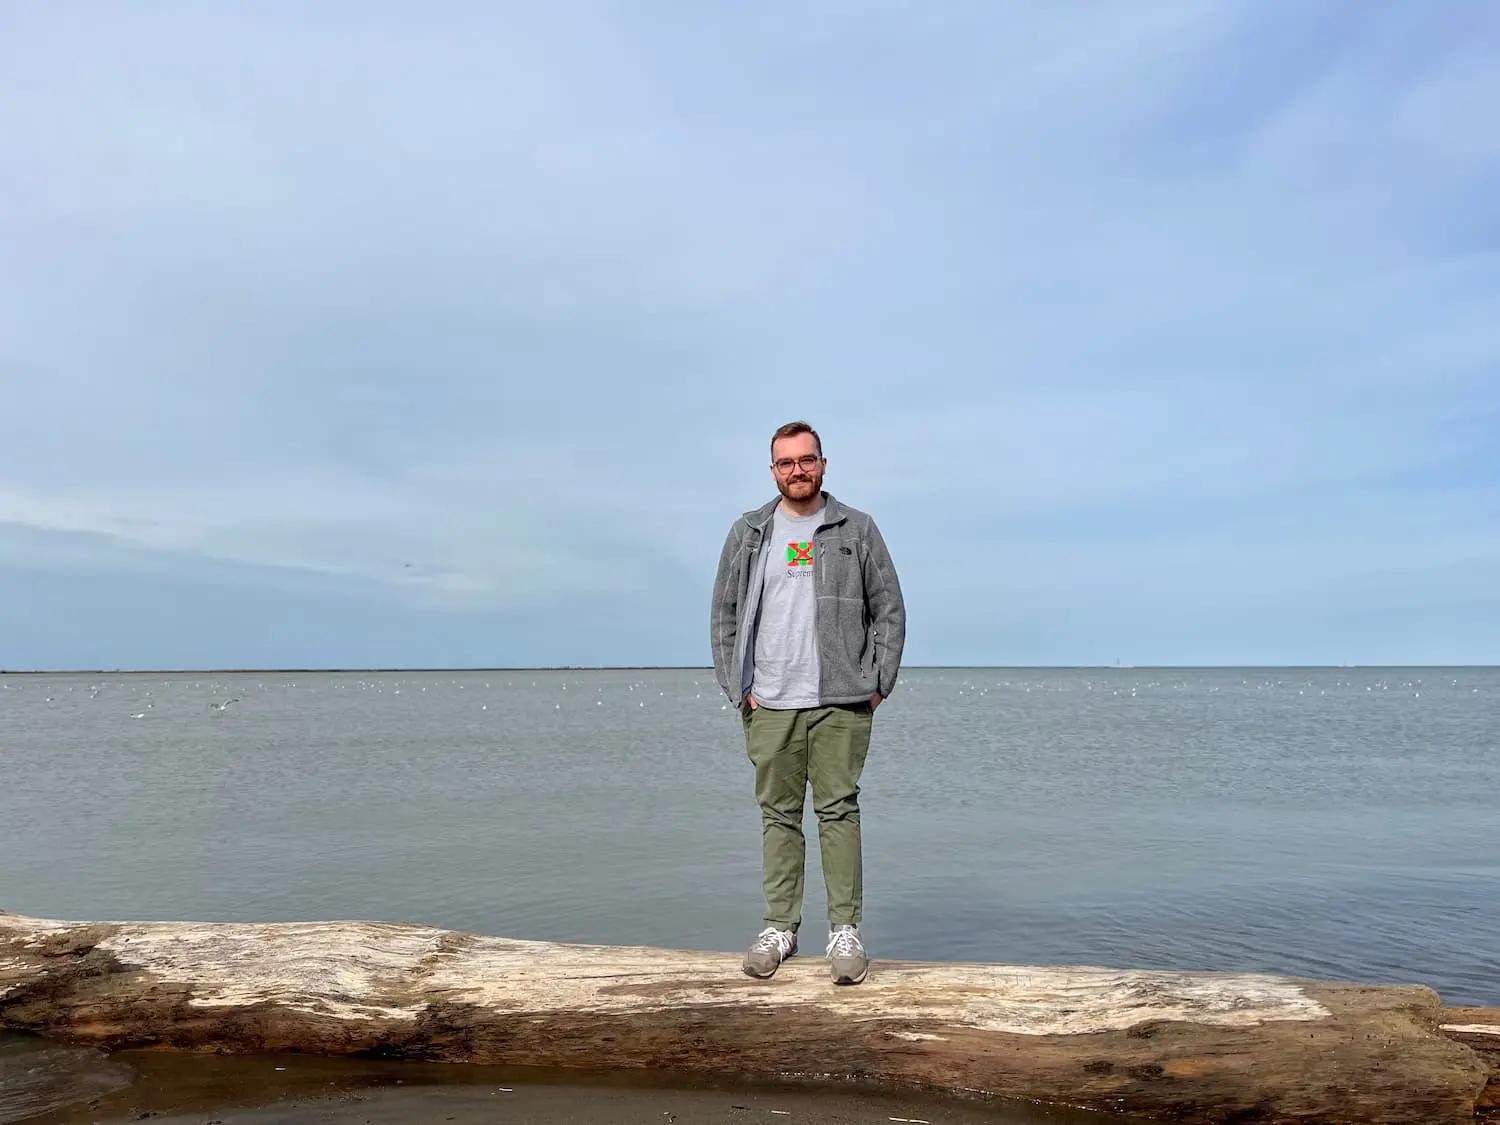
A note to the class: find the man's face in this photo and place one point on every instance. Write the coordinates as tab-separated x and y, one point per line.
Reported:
797	466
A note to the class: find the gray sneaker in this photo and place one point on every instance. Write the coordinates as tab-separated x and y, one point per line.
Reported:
771	948
846	953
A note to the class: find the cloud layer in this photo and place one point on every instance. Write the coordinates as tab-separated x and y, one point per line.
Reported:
1164	335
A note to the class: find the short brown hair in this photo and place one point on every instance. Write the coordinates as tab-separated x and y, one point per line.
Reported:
792	429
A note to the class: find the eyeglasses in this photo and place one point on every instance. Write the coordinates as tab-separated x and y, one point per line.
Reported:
787	464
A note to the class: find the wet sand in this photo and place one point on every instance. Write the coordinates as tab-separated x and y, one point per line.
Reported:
42	1084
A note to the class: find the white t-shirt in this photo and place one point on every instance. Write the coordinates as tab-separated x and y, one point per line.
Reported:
786	642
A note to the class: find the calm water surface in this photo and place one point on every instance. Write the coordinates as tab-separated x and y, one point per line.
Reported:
1337	823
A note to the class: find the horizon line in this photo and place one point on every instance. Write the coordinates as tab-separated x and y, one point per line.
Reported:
310	670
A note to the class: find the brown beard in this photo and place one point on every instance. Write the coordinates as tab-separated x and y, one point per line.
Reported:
816	481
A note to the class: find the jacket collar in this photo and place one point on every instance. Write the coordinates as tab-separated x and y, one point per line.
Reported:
833	512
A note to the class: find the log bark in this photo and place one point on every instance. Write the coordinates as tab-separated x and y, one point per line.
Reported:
1480	1029
1178	1046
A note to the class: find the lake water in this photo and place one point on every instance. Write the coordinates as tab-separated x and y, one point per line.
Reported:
1335	823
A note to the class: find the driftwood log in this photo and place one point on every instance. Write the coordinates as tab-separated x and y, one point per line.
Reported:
1182	1047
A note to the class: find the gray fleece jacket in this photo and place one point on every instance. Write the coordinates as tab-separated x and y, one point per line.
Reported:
860	616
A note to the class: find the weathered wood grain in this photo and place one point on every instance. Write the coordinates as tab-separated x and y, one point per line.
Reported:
1184	1047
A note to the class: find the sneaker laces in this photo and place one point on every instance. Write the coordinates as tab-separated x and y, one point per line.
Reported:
771	938
844	942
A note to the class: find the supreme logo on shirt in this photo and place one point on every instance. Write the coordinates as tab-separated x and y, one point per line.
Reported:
799	554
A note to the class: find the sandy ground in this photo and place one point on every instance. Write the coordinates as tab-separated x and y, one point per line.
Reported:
59	1086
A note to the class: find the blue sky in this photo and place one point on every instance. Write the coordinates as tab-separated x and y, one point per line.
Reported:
376	334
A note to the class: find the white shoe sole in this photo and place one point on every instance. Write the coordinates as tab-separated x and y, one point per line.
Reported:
749	972
863	973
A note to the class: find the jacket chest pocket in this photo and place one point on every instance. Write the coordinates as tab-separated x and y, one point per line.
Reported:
839	563
747	570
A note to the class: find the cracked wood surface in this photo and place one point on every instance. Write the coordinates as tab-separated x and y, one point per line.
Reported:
1180	1046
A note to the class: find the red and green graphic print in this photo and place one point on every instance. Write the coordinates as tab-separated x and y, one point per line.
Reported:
799	554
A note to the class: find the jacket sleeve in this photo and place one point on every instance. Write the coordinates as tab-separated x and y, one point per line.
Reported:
723	624
887	611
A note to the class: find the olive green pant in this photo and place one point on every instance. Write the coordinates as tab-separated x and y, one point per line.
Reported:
824	746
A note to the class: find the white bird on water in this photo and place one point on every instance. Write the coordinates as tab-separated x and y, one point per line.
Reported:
225	705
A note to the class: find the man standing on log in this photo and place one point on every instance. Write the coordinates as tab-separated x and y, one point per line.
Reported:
807	628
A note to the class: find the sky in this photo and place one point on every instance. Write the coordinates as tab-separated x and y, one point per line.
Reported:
367	334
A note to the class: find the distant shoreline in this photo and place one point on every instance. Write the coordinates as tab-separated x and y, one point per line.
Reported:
709	668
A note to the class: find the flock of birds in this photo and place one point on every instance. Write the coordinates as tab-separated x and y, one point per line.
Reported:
95	690
377	686
923	684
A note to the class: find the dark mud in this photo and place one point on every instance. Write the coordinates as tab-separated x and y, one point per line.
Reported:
44	1084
